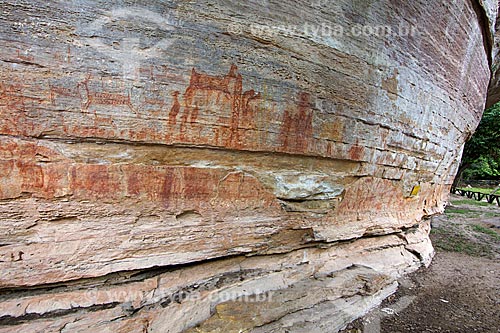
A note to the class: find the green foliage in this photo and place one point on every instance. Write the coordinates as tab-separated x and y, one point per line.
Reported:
470	202
454	210
485	167
484	230
481	157
457	243
452	237
477	189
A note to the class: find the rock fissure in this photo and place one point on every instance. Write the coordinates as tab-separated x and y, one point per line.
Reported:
10	321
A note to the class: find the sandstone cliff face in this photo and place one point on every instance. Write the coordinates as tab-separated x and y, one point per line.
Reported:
224	167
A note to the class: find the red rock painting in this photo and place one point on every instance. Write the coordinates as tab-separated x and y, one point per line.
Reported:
296	132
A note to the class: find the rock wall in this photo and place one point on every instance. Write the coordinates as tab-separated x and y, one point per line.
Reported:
221	166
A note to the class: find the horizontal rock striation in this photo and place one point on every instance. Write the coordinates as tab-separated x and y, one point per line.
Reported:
221	166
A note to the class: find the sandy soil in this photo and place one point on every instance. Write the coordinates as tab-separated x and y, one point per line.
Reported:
460	291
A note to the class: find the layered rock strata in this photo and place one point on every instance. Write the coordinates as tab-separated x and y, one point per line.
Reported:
219	166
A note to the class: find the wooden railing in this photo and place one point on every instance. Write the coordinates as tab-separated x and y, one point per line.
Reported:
479	196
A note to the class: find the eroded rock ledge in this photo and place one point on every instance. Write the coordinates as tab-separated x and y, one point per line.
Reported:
342	279
214	166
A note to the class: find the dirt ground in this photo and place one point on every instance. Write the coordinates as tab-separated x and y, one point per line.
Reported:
460	291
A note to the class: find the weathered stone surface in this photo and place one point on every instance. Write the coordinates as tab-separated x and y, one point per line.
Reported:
240	315
162	163
192	291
